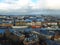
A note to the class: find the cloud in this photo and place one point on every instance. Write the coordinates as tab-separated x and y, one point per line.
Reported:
13	4
18	4
52	4
37	5
27	6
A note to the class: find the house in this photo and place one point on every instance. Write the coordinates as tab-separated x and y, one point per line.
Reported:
50	23
20	23
6	22
2	16
28	20
40	19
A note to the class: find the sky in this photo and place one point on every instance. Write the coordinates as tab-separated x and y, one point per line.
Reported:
18	7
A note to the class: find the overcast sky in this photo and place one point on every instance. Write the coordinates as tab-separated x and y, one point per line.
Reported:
17	7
